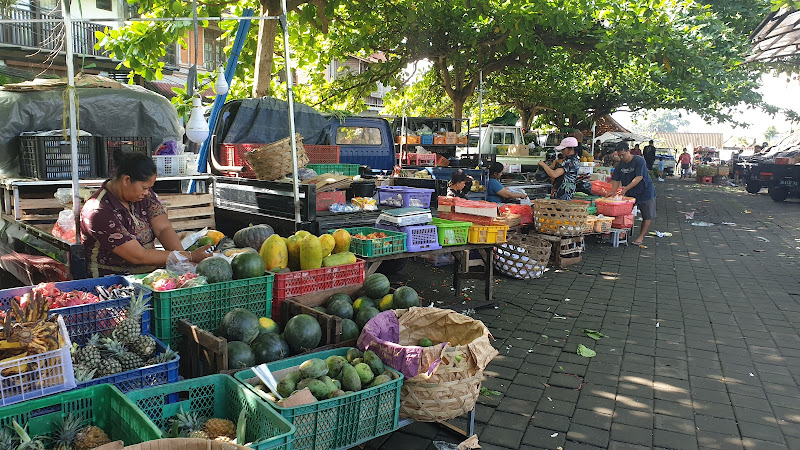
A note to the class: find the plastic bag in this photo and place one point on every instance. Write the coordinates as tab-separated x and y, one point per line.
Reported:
65	226
156	275
180	264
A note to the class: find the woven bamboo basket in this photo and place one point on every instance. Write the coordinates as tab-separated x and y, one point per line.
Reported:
588	226
522	256
559	217
273	161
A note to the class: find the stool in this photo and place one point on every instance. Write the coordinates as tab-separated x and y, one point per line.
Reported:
468	261
618	236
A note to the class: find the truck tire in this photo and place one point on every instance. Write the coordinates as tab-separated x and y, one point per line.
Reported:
778	194
753	186
392	266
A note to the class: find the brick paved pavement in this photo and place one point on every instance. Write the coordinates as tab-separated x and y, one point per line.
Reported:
703	349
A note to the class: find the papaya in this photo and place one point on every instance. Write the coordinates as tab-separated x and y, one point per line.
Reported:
350	379
342	238
302	233
338	259
274	253
313	368
293	246
310	253
327	242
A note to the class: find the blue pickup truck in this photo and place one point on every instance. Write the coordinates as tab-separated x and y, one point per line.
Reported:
364	140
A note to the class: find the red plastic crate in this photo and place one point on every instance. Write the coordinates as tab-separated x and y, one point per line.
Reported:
292	284
326	199
478	220
419	159
601	188
613	207
623	222
233	155
322	154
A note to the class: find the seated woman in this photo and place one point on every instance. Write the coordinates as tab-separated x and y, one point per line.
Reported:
121	221
460	184
495	191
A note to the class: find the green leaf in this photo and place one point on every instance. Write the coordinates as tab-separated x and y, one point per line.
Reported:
594	334
489	392
586	351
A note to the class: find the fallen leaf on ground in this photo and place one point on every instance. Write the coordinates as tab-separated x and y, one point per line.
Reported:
586	351
594	334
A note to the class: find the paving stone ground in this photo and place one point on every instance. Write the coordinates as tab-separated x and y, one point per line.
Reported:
702	346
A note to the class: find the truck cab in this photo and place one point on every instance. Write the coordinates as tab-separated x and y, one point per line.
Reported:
364	140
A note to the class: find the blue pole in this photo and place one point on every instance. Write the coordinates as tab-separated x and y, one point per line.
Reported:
219	101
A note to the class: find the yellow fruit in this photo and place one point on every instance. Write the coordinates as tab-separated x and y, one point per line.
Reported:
302	233
310	253
219	427
91	437
342	238
386	302
293	245
274	253
215	236
328	243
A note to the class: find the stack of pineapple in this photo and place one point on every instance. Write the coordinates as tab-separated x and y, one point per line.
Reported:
192	425
71	433
125	349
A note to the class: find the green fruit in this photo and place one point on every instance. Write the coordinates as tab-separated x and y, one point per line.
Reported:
240	355
350	379
329	384
390	374
286	386
364	315
349	330
337	393
335	364
341	308
425	342
376	285
313	368
336	297
215	270
339	259
318	388
302	333
320	309
362	302
386	303
247	265
295	376
239	324
353	353
374	362
225	243
267	325
379	380
253	236
356	361
364	373
203	241
269	347
193	247
405	297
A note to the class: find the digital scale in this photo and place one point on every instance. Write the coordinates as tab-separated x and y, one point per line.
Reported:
403	217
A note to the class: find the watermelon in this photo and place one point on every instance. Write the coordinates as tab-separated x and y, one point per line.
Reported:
349	330
302	333
239	324
215	269
269	347
376	286
362	302
247	265
240	355
338	296
405	297
267	325
320	309
364	315
341	308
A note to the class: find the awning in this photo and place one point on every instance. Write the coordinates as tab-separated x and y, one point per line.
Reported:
681	140
616	136
777	38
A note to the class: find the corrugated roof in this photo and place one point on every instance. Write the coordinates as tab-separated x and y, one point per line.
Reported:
680	140
777	38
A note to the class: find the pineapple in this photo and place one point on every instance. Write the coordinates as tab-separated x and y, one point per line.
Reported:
127	360
143	346
89	355
91	437
215	428
131	327
8	439
25	441
108	366
190	425
167	356
83	373
66	432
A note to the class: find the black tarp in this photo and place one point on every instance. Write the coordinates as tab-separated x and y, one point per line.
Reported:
267	120
130	111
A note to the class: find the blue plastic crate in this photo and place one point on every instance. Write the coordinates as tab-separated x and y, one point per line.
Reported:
85	320
427	139
142	377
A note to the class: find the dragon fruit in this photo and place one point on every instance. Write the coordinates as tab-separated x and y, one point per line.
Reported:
165	284
186	277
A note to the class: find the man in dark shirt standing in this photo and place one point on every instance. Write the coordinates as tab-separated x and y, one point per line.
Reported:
649	154
632	176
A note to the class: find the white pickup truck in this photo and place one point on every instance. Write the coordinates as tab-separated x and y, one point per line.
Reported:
496	139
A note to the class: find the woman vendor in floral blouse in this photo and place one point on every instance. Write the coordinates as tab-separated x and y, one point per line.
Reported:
121	221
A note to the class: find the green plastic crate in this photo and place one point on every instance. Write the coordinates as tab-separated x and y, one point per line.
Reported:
395	242
340	422
205	306
349	170
451	232
103	406
220	397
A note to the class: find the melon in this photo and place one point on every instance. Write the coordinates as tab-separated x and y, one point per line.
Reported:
302	332
405	297
240	355
338	296
247	265
362	302
341	308
215	269
376	285
365	314
269	347
349	330
239	324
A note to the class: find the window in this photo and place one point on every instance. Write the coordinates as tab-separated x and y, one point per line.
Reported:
103	4
213	49
358	136
171	56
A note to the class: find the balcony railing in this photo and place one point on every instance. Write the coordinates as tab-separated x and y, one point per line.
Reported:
45	35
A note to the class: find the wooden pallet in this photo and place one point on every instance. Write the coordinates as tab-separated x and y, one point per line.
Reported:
189	211
565	251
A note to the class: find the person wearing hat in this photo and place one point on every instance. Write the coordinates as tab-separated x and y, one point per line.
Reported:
633	179
460	184
495	191
565	172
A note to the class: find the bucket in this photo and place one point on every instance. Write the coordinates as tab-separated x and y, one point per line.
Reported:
361	189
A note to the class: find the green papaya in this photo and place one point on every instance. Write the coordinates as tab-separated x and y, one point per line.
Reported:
335	364
364	373
313	368
379	380
350	379
374	362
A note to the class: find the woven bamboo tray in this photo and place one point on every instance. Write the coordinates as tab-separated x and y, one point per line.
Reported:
523	256
559	217
273	161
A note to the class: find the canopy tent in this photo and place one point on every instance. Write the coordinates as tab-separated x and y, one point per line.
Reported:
681	140
777	38
617	136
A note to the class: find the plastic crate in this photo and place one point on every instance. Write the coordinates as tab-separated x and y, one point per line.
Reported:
84	320
50	157
419	238
205	306
451	232
233	155
623	222
110	145
603	224
176	165
426	139
601	188
419	159
405	197
220	397
53	373
143	377
487	234
103	406
395	242
292	284
341	422
322	154
615	207
349	170
326	199
459	217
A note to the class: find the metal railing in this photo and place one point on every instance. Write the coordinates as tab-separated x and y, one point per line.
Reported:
29	31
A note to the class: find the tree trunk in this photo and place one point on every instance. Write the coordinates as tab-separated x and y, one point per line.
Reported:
525	118
267	31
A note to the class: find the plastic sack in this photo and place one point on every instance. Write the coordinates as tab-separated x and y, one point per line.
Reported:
64	228
179	264
194	282
169	148
304	173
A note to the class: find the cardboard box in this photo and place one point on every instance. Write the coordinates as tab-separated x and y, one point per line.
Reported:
175	444
411	140
517	150
461	140
439	140
450	137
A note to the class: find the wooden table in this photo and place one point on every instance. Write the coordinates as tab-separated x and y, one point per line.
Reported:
461	267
